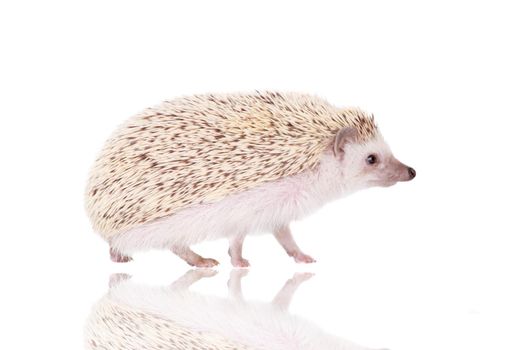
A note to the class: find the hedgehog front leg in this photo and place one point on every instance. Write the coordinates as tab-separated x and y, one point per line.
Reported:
192	258
285	238
235	252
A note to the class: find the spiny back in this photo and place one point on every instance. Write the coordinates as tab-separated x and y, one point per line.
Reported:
202	148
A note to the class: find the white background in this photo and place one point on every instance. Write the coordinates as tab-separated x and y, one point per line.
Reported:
437	263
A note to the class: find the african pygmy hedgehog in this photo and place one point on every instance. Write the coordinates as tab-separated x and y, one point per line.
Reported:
211	166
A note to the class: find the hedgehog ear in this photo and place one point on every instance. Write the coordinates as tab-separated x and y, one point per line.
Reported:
341	138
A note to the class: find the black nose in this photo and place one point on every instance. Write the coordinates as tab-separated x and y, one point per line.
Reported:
411	173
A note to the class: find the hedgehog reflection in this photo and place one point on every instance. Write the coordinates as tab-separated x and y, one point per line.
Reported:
135	316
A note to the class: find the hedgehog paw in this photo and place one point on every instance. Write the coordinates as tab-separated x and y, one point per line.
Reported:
205	262
241	262
303	258
117	257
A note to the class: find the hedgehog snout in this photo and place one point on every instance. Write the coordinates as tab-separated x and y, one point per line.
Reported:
411	173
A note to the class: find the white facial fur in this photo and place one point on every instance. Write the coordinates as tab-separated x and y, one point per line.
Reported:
386	171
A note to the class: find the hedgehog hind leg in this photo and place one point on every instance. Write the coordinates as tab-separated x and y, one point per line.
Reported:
286	240
117	257
192	258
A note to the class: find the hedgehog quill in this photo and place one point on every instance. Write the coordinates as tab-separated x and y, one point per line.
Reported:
213	166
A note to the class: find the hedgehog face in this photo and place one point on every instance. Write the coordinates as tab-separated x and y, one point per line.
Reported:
372	163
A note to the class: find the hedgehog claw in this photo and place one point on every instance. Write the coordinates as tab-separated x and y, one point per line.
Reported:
240	263
205	263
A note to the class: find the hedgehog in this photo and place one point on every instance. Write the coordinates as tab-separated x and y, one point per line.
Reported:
137	316
212	166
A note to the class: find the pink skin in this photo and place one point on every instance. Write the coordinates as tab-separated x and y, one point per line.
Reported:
194	259
235	252
285	238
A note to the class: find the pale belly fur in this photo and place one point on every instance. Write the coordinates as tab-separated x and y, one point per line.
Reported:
258	210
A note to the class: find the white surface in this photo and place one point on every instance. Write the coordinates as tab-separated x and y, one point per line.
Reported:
437	263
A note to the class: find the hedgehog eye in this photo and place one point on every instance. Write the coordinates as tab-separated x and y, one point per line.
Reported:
371	159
